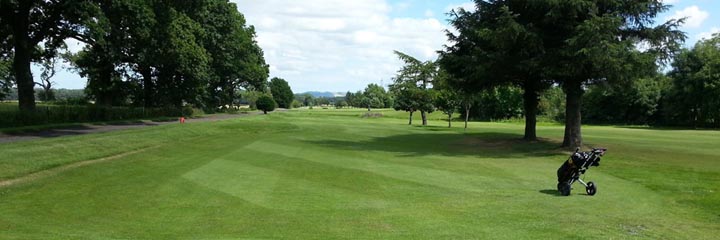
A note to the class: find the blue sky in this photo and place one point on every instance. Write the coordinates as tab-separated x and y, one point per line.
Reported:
330	45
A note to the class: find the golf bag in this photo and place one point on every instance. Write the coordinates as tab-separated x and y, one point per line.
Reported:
576	165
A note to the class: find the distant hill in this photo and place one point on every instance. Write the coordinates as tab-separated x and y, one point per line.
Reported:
317	94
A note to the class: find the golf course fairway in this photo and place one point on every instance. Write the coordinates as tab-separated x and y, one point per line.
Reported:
331	174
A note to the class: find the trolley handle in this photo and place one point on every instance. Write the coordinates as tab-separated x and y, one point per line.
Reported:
599	151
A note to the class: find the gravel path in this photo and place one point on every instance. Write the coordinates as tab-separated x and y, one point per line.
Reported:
90	128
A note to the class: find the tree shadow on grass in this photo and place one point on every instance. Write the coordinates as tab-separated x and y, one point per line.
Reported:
72	130
661	128
438	142
552	192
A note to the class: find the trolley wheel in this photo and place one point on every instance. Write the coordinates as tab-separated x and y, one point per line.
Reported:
591	188
564	188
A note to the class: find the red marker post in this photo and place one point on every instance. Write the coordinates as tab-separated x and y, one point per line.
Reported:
182	119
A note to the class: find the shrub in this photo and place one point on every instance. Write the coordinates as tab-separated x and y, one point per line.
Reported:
296	104
57	114
372	115
266	104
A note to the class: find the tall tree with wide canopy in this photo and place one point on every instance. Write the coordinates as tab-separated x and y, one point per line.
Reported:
236	60
588	41
169	52
497	44
107	37
150	45
570	42
29	23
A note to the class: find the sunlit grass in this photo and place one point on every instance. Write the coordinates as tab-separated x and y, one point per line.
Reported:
333	174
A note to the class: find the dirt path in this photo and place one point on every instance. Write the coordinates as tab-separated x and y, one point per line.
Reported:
63	168
91	128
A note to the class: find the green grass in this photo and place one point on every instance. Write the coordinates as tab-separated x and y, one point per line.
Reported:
332	174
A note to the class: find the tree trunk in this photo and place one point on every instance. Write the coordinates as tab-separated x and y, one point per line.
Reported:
467	115
573	135
449	120
148	87
265	112
530	101
22	58
102	85
411	113
423	114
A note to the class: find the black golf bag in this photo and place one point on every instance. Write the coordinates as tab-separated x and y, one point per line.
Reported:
576	165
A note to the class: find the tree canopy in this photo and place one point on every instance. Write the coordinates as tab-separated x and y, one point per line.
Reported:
571	43
137	52
28	23
411	85
281	92
694	95
266	103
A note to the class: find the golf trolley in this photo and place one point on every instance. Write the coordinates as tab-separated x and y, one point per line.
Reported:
575	167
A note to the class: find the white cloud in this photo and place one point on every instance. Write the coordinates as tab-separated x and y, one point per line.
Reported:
338	45
695	16
670	1
708	34
468	6
429	13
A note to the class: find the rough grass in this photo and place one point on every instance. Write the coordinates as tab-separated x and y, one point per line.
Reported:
334	174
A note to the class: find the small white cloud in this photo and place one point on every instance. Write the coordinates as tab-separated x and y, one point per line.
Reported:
708	34
401	6
429	13
670	1
365	37
695	16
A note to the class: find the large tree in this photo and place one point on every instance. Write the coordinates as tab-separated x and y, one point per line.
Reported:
572	43
28	23
48	64
587	42
376	97
694	96
497	44
281	92
236	60
419	74
411	98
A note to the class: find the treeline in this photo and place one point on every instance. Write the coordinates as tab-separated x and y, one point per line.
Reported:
535	45
570	61
59	96
150	53
374	96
